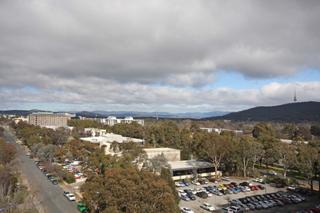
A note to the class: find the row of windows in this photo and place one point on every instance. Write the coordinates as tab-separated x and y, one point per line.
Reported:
191	171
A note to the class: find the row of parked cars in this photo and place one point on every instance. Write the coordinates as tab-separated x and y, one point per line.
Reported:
74	168
264	201
218	190
205	206
52	178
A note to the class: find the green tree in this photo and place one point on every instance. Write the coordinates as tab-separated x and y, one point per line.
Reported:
7	152
247	151
213	148
287	157
262	130
306	159
315	130
130	191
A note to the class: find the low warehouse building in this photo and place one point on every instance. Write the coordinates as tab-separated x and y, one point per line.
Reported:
189	169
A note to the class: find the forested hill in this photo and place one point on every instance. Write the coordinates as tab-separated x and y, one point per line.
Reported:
292	112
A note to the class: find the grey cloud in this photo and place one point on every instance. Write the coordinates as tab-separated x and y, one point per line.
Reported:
144	41
150	98
115	51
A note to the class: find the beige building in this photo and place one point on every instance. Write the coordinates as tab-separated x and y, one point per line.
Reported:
169	153
49	120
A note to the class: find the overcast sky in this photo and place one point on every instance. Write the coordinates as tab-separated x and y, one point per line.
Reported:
158	55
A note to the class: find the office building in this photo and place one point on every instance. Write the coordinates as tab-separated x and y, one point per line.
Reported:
49	120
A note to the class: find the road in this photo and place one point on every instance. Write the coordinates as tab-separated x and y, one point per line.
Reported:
50	196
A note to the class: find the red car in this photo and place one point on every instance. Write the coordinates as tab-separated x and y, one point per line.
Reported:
253	188
315	210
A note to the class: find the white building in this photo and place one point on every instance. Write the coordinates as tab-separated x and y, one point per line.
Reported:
112	120
109	138
94	132
287	141
220	130
20	119
169	153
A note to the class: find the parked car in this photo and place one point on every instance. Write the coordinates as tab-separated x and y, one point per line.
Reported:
186	210
186	183
195	182
225	178
244	184
190	194
272	173
69	196
292	187
202	194
54	182
227	210
208	207
185	197
82	208
235	208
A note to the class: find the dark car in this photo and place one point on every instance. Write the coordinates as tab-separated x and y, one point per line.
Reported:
190	194
244	184
234	184
202	194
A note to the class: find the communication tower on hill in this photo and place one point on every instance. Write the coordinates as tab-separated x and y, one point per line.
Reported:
295	95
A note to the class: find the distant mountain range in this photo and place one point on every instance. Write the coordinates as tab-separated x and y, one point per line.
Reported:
99	114
192	115
292	112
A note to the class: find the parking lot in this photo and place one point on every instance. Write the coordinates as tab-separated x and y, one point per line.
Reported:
220	201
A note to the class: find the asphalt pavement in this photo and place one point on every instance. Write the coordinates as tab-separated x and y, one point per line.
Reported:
50	196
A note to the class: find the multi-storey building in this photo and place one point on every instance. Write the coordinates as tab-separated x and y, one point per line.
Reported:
49	120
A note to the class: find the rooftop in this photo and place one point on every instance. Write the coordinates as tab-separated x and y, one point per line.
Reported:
189	164
110	137
161	149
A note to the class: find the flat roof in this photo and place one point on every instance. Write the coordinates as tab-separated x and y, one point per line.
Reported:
160	149
109	138
189	164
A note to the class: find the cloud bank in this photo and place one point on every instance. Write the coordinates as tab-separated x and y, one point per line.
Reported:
154	55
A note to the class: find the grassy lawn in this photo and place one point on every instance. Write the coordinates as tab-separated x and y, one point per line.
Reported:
290	173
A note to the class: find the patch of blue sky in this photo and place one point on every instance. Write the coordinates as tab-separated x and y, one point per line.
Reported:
238	81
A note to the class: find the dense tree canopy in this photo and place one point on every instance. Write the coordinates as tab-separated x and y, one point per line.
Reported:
129	191
7	152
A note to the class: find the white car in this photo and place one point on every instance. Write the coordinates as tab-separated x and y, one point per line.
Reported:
258	180
292	187
247	189
186	210
208	207
69	196
208	193
225	178
195	182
